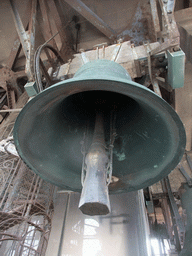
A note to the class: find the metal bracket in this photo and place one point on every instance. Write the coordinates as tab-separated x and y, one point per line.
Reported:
170	33
176	69
84	57
170	6
27	38
116	52
186	175
189	161
174	207
97	47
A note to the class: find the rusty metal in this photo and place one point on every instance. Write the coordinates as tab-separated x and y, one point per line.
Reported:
84	57
61	30
10	97
81	8
103	52
167	217
178	219
173	210
155	17
26	205
116	52
45	73
126	57
185	28
9	76
31	34
47	26
156	88
14	53
100	50
97	53
185	194
8	81
27	38
170	43
153	79
39	64
170	6
169	35
67	70
189	161
20	28
186	175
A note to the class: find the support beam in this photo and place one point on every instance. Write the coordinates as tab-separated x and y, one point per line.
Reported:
183	18
47	32
27	38
81	8
31	34
155	17
20	28
14	53
60	28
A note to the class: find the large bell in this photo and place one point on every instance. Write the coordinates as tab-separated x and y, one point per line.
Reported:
55	130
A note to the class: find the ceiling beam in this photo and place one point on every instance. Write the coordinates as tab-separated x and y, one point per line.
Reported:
87	13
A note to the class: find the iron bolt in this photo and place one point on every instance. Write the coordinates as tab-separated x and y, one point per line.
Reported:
142	63
161	70
161	59
143	72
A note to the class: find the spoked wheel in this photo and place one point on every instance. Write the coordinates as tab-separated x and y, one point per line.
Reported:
43	77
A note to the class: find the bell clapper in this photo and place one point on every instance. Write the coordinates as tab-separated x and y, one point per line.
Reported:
96	177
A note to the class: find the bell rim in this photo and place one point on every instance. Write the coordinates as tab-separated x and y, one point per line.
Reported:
124	82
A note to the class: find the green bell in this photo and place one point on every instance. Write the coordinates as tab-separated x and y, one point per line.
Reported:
55	130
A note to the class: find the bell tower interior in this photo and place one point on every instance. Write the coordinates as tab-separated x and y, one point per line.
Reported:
95	128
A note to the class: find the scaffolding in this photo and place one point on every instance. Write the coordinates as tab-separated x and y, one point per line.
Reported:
26	205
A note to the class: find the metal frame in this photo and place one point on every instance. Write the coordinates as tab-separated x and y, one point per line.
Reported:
169	34
26	206
27	38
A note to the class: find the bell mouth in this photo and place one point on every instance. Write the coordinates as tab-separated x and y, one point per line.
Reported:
81	109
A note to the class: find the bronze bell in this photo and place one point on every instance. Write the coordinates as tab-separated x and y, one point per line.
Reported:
100	130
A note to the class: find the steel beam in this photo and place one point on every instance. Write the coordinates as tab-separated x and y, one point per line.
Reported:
47	26
14	53
20	28
170	6
189	161
178	219
155	16
183	18
60	28
186	175
175	217
170	32
81	8
31	34
27	38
